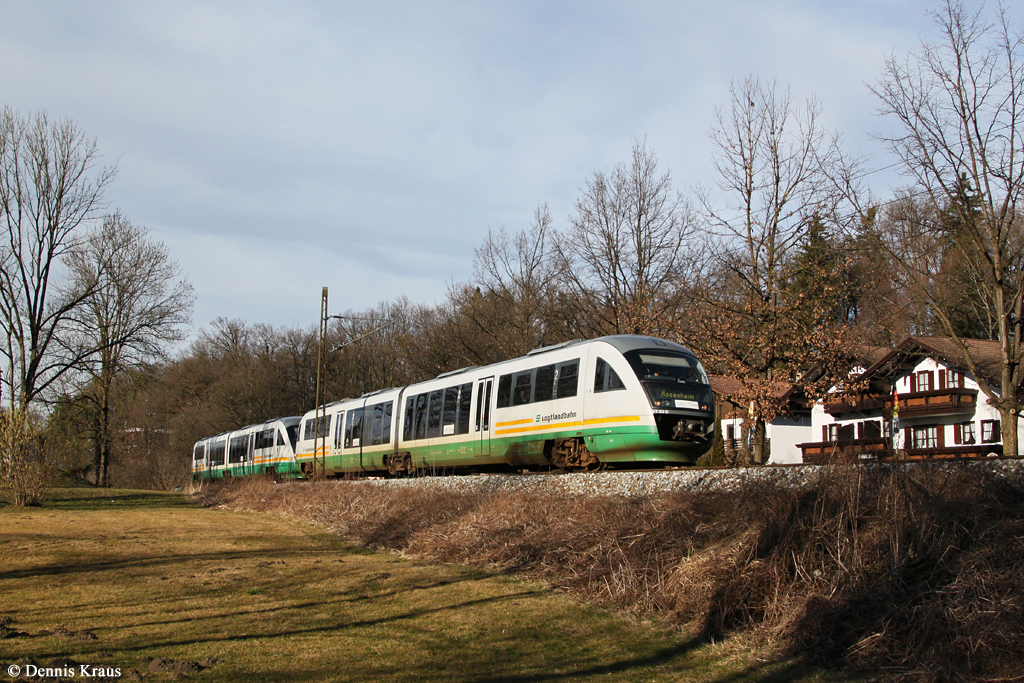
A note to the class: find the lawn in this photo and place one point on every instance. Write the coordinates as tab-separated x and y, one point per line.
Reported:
156	587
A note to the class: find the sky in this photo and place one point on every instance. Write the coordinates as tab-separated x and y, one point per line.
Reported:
280	147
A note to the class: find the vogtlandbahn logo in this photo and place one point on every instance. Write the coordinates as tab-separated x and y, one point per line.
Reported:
556	416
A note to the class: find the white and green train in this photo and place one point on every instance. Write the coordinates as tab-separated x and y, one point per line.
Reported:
613	401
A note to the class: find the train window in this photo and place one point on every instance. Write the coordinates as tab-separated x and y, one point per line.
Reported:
568	378
280	438
198	453
410	412
668	366
386	433
505	391
523	388
339	431
434	414
264	439
421	416
293	434
238	448
479	404
354	428
366	435
545	389
319	429
465	400
377	430
605	377
451	410
485	425
217	454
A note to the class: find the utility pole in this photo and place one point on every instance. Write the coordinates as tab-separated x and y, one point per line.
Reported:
320	445
320	439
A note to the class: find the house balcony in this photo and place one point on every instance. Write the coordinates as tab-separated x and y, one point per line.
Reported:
917	404
858	403
852	450
941	402
846	450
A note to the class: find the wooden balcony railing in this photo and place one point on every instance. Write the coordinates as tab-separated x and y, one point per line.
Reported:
844	451
821	452
919	403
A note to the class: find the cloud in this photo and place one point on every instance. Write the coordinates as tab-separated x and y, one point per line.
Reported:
278	147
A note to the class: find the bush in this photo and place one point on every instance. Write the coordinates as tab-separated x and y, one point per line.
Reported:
23	467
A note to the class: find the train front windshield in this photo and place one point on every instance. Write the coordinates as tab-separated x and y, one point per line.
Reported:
672	379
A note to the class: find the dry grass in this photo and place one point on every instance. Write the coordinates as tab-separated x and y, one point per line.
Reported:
164	590
914	572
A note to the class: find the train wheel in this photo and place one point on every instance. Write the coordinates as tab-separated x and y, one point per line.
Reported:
571	454
399	463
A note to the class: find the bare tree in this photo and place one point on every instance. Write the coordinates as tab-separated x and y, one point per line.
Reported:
776	166
505	311
960	105
138	304
50	184
625	253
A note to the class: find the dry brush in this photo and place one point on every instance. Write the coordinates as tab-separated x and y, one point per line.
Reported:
914	572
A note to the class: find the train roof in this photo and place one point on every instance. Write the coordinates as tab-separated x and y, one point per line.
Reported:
632	342
621	342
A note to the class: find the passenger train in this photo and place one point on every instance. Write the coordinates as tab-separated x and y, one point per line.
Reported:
613	401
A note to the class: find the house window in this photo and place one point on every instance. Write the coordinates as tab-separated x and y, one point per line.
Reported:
730	432
924	381
838	432
990	432
926	437
963	433
869	430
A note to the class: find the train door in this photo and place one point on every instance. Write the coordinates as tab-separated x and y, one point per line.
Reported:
482	430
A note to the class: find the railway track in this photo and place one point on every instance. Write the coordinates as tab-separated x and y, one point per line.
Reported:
640	482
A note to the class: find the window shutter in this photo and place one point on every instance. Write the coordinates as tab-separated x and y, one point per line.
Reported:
931	380
942	379
958	435
824	432
960	380
940	436
913	382
908	438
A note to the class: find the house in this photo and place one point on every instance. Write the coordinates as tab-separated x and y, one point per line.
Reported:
782	434
917	401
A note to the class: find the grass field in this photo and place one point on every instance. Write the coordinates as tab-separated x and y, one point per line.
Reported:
164	590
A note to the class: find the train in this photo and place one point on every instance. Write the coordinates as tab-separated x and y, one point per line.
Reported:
614	401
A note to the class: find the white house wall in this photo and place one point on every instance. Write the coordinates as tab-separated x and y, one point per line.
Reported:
785	434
